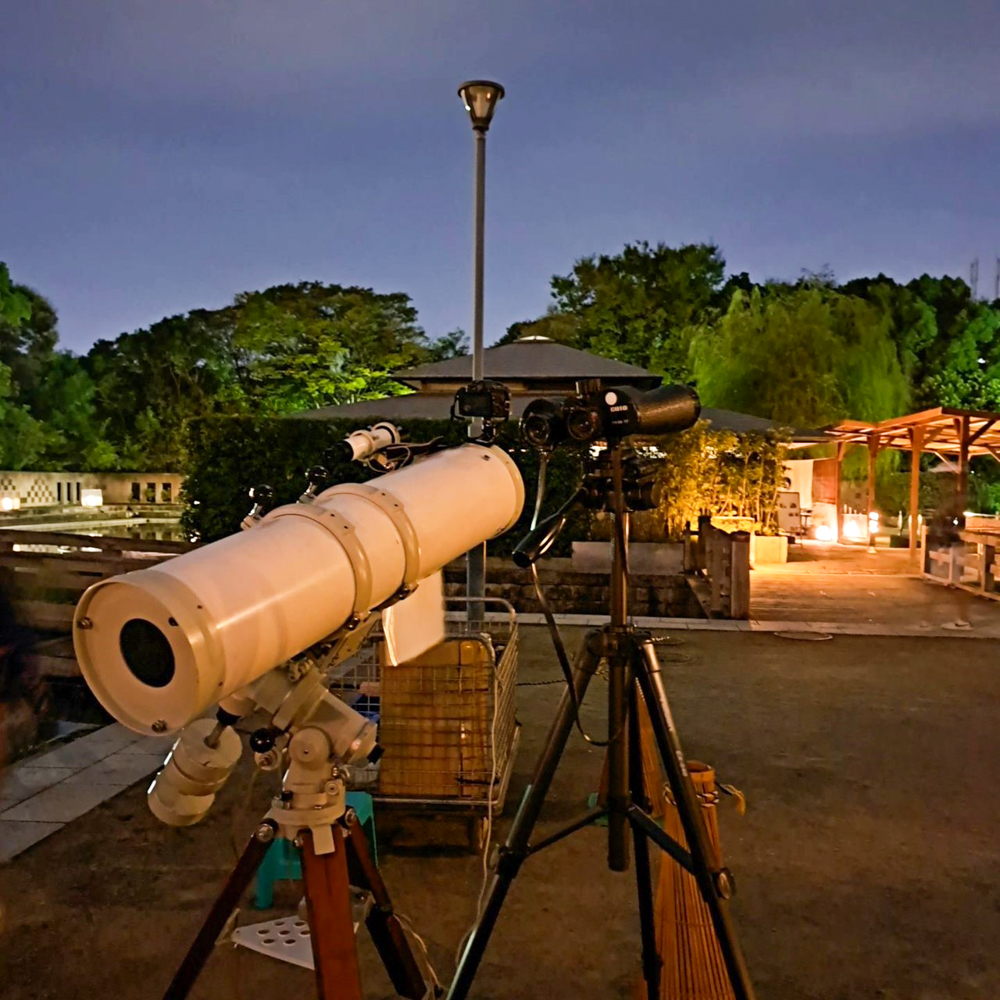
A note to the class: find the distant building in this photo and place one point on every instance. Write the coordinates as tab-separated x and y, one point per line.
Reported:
26	489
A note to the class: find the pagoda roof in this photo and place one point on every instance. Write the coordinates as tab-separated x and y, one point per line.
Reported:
531	363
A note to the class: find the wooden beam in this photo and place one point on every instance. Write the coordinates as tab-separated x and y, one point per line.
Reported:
993	450
930	435
916	447
982	430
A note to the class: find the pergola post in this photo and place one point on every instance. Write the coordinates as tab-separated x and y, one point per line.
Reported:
873	443
916	447
962	486
841	448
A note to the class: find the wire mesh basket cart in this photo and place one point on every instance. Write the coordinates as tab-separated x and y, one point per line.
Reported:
446	718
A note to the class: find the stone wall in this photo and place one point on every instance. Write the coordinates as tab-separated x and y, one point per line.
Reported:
578	593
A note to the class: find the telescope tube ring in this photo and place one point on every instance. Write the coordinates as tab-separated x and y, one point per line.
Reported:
396	513
343	531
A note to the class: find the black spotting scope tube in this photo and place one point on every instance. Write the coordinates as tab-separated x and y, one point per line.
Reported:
665	409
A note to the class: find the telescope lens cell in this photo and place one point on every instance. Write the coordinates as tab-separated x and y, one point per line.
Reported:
147	653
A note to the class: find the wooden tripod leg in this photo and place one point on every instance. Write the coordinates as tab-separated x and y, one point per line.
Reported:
222	909
331	922
383	925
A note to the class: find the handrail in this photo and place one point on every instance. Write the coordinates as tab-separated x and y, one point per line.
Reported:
112	544
722	559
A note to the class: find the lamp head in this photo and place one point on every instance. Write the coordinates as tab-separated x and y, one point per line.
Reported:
480	99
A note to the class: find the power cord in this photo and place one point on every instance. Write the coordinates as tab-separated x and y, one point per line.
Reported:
488	838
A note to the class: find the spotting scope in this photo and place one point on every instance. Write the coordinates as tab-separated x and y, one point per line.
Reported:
159	646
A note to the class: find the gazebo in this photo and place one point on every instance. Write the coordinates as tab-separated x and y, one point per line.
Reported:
942	431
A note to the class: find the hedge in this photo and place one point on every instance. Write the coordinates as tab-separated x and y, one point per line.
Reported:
227	456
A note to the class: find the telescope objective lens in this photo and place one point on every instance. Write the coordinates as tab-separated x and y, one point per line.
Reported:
147	653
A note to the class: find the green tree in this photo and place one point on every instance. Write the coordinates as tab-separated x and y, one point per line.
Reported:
803	356
913	322
640	306
297	347
15	306
277	351
151	382
28	341
23	439
64	401
949	343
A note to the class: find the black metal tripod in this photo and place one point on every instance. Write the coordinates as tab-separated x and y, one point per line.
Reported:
633	668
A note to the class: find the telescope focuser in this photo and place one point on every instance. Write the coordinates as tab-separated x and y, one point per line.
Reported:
318	477
263	497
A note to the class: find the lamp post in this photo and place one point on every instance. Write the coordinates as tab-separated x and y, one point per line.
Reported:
480	98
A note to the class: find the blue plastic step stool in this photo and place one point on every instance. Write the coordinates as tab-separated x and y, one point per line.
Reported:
283	861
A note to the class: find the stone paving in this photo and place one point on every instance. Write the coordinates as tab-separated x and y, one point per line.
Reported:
41	794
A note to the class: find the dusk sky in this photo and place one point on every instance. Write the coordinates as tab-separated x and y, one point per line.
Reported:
163	156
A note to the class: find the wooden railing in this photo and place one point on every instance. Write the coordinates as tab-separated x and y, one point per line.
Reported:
718	566
46	572
970	565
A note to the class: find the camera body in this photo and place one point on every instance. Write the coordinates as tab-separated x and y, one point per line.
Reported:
483	400
596	413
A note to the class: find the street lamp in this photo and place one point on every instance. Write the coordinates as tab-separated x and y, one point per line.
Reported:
480	98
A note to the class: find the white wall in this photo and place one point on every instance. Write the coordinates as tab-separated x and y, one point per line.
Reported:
799	471
59	489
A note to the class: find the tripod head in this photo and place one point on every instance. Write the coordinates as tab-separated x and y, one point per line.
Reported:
615	478
634	488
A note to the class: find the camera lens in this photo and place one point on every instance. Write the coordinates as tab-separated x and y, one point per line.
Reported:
582	423
537	429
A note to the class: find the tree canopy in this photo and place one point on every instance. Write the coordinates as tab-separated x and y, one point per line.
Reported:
640	306
803	352
803	356
807	351
127	403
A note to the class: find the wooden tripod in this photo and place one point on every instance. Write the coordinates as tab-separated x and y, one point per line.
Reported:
327	879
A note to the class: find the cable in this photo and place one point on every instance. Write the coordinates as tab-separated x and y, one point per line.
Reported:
489	798
487	840
421	944
543	462
563	659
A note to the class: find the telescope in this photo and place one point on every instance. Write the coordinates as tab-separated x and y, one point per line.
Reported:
159	646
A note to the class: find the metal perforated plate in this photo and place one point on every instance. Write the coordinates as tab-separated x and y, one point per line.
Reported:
286	939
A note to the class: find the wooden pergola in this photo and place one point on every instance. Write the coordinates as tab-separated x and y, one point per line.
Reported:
943	431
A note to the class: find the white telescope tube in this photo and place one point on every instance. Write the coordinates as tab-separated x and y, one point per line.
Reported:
159	646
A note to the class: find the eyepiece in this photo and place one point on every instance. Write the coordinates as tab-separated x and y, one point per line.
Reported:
338	452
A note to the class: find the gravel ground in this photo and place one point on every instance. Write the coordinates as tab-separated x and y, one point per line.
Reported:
868	863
